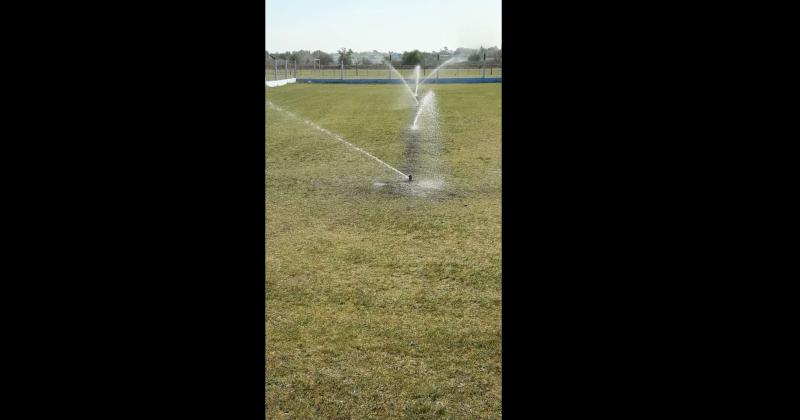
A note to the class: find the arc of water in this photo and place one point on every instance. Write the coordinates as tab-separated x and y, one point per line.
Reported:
425	101
335	136
400	76
416	78
438	68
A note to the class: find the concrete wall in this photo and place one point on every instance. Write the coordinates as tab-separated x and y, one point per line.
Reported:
274	83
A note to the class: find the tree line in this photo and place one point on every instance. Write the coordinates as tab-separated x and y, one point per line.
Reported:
307	58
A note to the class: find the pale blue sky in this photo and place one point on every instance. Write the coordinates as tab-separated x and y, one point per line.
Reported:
366	25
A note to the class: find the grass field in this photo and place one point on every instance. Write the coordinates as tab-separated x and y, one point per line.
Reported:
379	74
383	296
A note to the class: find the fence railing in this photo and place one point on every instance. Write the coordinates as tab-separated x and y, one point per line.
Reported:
380	71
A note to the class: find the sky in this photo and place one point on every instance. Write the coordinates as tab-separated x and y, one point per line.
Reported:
364	25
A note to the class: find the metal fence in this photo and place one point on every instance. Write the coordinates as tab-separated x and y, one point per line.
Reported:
284	69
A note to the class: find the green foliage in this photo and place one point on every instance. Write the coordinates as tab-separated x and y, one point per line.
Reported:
411	58
324	58
346	56
478	55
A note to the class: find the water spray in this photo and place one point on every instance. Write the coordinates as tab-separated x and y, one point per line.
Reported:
416	85
436	70
400	76
337	137
421	107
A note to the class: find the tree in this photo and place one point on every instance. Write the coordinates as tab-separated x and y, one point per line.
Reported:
463	51
478	55
429	59
412	57
494	53
324	58
345	56
304	58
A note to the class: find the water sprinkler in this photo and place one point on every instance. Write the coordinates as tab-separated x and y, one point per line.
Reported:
409	177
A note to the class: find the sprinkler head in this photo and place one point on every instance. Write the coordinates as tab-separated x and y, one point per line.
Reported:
409	177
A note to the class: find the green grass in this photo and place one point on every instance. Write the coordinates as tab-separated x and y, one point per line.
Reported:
380	74
382	304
